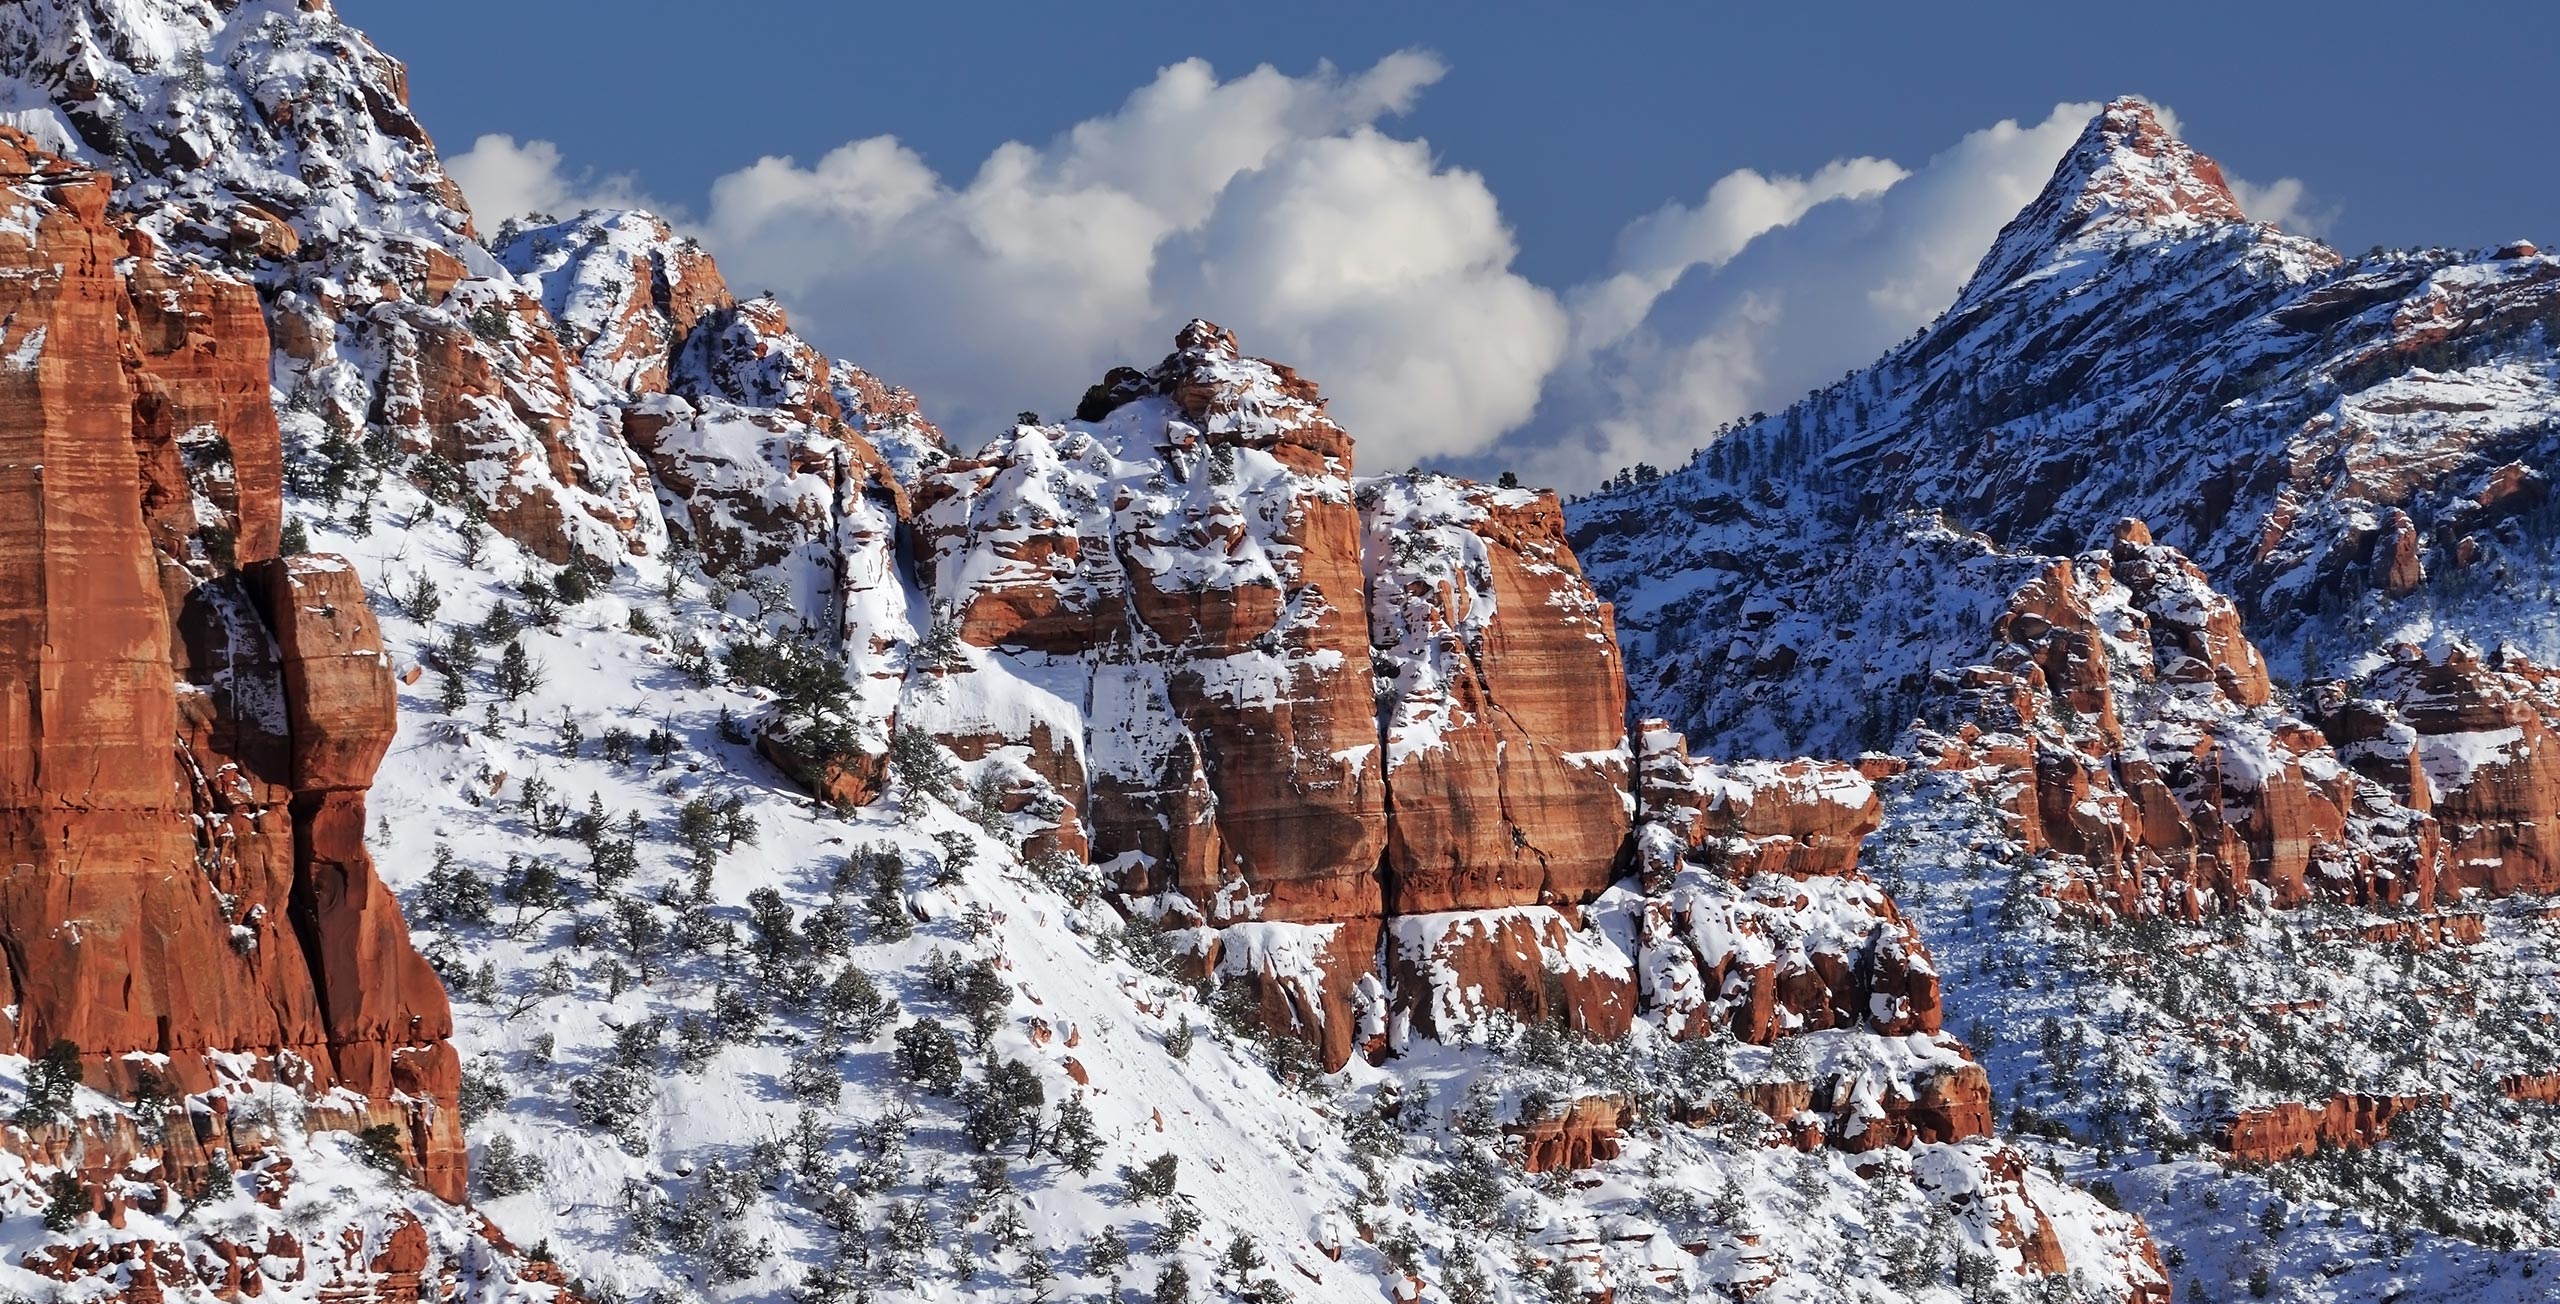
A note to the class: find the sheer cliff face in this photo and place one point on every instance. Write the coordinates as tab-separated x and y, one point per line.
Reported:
191	720
1316	700
1361	740
1506	758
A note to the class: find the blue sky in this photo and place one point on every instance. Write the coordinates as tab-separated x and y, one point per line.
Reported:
1533	139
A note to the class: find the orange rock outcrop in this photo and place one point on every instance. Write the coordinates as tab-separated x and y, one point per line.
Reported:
1506	763
2267	1133
2214	793
188	723
1586	1133
1242	610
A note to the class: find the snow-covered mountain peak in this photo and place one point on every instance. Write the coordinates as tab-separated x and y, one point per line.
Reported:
2128	166
2127	175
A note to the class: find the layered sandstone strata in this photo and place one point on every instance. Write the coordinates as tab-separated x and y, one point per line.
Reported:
190	721
2266	1134
1505	745
2127	724
1307	700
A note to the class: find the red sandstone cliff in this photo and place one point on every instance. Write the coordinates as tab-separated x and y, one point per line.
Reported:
1245	610
190	721
1506	763
2269	1133
2126	724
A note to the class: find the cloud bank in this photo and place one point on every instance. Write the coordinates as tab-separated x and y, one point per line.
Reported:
1857	264
1286	208
504	178
1271	203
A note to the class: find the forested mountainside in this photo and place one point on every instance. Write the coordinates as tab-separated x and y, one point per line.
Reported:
531	781
2263	873
2355	448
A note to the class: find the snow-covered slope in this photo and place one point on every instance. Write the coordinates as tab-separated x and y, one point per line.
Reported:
864	871
684	1091
2281	910
2356	449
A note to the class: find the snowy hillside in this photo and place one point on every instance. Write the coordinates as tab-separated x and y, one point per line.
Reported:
2353	447
1141	850
1144	856
726	1091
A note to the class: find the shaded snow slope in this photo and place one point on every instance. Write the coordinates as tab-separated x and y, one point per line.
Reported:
2294	421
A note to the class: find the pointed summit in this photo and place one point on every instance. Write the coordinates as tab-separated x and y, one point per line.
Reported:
2127	173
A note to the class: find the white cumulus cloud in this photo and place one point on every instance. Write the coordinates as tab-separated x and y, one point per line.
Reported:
1273	204
2285	202
503	178
1774	287
1655	250
1284	207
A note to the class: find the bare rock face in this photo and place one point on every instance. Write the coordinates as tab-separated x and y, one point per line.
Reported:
1801	819
384	1007
847	778
1584	1135
2480	752
224	898
2268	1134
1765	930
1448	971
2536	1088
2127	722
2397	567
201	348
2021	1225
1506	753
